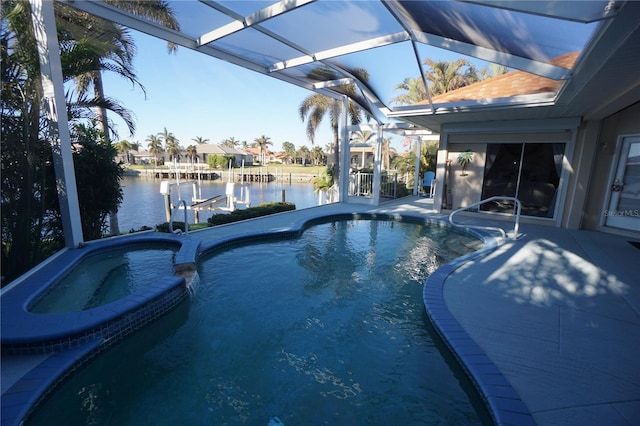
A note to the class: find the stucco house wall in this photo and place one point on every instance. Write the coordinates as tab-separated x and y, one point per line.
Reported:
466	190
604	163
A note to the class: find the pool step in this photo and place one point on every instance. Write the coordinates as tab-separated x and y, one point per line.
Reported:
462	245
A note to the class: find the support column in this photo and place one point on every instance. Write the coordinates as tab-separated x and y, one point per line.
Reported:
442	175
377	165
344	153
416	171
44	27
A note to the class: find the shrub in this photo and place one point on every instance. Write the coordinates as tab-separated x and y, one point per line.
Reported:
250	213
164	227
234	216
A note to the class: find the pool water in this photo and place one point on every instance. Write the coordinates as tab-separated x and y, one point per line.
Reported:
329	328
106	277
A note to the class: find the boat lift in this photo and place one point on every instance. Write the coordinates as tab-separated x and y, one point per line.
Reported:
228	203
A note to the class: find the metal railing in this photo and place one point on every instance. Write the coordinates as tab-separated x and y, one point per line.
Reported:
186	224
491	228
361	184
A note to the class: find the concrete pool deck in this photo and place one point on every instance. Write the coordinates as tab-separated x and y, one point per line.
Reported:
557	312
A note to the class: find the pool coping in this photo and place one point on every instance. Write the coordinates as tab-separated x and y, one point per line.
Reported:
500	398
502	401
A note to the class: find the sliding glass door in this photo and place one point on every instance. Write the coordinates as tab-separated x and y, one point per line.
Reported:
528	171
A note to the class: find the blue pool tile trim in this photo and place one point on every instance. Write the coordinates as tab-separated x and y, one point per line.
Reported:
501	399
90	329
188	253
28	333
71	339
18	400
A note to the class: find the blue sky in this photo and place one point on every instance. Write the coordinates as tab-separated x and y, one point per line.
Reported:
195	95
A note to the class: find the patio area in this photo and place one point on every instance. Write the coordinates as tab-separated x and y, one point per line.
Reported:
558	312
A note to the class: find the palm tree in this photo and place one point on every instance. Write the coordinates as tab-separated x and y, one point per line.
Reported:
303	153
123	147
464	158
173	148
445	76
87	46
104	45
200	140
428	157
415	91
322	182
155	148
171	145
110	45
405	164
317	155
493	70
231	142
289	149
362	137
262	142
314	107
192	151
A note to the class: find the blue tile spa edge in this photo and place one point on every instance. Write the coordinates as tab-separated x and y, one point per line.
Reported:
70	340
30	333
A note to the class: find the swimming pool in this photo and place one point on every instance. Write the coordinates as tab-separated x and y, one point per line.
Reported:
329	328
106	277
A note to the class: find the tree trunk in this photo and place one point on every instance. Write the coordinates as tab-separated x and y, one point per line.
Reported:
98	90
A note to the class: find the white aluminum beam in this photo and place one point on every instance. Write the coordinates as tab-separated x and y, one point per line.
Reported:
220	32
393	10
529	65
121	17
343	172
251	20
44	27
342	50
333	83
416	171
377	167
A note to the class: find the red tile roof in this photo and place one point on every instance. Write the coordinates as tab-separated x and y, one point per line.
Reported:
513	83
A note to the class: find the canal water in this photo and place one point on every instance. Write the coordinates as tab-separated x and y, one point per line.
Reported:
143	204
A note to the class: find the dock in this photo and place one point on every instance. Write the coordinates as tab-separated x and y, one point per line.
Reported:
210	175
165	174
255	177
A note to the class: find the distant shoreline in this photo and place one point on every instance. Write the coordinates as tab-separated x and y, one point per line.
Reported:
299	176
